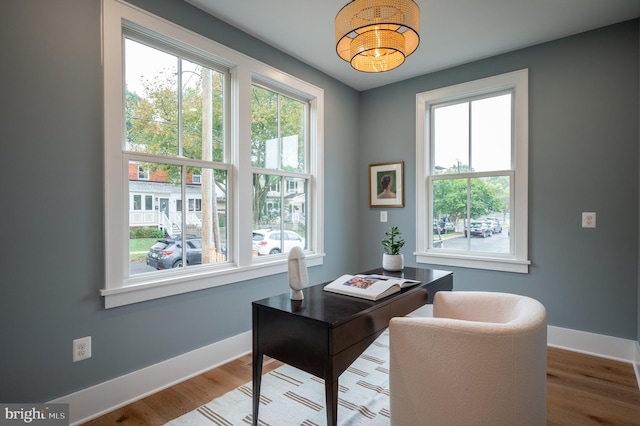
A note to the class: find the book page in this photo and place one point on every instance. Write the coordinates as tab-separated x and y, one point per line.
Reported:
403	282
363	286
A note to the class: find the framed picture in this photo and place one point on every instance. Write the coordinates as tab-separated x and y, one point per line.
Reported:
386	185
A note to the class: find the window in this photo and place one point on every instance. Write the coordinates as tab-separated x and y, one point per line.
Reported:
472	147
177	111
143	174
142	202
279	154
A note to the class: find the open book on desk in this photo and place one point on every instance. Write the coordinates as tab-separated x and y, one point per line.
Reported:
371	287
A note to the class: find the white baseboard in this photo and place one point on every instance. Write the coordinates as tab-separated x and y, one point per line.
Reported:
105	397
615	348
592	344
636	364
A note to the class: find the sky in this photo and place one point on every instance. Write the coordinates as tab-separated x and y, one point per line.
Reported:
143	62
490	135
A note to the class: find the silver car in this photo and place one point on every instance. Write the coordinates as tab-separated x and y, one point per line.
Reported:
266	242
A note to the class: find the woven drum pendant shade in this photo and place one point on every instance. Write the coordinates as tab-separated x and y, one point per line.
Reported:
377	35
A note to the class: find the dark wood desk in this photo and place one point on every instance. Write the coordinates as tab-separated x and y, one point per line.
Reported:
326	332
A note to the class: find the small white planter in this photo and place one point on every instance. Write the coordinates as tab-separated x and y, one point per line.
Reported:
392	262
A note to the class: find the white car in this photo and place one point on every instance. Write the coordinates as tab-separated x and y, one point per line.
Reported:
267	242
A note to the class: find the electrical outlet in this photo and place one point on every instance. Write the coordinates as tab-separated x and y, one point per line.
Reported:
81	348
383	216
588	219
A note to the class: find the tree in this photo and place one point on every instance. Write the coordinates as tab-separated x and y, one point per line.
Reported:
156	124
485	196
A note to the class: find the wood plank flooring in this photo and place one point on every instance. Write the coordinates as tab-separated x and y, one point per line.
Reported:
582	390
587	390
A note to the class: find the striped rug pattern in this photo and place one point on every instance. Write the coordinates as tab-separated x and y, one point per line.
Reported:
292	397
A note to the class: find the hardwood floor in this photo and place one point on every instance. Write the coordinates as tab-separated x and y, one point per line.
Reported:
581	390
587	390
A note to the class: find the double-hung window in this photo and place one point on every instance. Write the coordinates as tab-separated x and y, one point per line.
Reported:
472	149
204	146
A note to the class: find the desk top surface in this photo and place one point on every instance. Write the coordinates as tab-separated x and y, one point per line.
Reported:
331	308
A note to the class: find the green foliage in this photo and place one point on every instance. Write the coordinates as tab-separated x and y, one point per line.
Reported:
152	118
486	196
394	241
135	233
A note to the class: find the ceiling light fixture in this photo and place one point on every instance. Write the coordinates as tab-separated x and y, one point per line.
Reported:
377	35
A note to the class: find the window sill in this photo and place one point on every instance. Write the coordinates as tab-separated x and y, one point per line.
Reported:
141	291
476	262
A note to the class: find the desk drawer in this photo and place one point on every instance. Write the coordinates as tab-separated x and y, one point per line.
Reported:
358	329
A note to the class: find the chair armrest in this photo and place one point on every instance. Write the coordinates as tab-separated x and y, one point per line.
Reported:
475	306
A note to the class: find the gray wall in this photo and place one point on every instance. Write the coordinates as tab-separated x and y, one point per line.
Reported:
584	156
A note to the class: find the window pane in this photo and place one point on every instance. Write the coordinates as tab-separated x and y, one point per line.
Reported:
142	173
162	191
266	200
157	233
486	208
137	202
472	214
151	100
294	212
449	211
202	112
491	133
206	218
264	127
278	131
292	119
279	218
451	138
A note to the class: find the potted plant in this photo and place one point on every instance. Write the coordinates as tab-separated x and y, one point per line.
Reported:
392	259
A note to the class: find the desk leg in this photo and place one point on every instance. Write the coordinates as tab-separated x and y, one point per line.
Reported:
257	380
331	394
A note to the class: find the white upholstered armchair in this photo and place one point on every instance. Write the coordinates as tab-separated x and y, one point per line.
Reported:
481	360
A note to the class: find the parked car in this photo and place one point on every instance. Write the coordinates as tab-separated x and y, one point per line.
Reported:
495	226
267	242
439	227
166	253
479	228
449	227
489	225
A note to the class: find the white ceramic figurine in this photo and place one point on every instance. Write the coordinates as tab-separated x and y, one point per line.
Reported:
298	275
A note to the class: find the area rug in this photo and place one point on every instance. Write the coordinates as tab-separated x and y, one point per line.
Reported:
292	397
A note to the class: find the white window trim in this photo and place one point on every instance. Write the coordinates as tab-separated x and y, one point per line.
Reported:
243	70
518	261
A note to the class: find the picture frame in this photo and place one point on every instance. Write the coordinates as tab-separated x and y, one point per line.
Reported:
391	176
